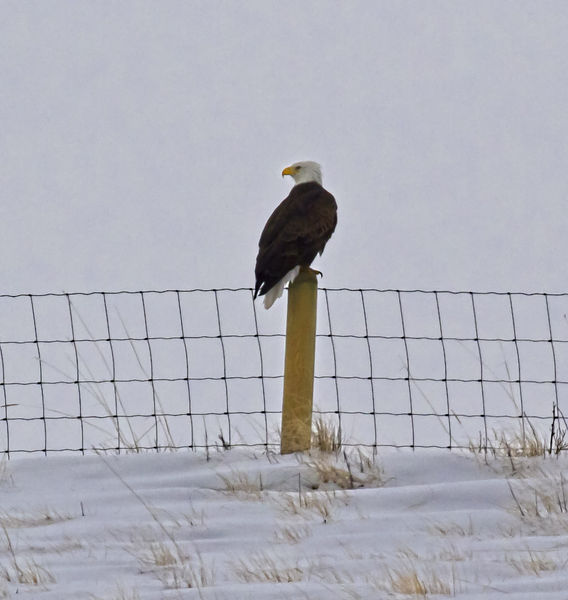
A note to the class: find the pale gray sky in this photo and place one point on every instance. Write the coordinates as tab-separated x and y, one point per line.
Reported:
142	142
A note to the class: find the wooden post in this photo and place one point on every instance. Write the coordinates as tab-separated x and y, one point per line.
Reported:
299	363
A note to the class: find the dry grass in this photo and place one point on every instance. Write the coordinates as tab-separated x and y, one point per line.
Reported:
16	520
310	504
240	484
292	534
161	554
62	546
541	504
547	498
326	436
175	568
347	471
452	553
524	442
508	531
167	560
408	581
453	529
174	521
535	563
262	568
329	474
25	571
415	576
412	580
511	444
334	575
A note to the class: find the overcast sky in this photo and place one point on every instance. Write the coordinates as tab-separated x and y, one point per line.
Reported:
142	142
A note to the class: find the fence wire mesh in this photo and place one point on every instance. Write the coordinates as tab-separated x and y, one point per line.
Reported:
155	370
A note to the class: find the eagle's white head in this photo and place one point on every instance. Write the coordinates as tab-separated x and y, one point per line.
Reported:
304	171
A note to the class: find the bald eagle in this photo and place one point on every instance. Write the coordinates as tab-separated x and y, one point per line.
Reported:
297	230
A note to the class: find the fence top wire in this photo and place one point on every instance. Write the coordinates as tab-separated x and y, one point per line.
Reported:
250	289
153	369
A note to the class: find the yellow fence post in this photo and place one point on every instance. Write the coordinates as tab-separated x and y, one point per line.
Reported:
299	363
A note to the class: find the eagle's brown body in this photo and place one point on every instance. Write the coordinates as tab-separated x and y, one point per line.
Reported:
295	233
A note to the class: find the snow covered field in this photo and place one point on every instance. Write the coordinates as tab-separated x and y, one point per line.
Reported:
237	524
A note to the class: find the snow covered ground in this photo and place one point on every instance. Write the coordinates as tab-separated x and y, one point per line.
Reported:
237	524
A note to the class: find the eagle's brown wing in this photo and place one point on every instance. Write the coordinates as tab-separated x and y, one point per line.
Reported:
295	232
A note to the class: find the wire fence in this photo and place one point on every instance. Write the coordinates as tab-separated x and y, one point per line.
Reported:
156	370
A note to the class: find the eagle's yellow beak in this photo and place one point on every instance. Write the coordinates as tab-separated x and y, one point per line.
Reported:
288	171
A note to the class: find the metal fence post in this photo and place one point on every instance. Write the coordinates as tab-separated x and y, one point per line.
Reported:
299	363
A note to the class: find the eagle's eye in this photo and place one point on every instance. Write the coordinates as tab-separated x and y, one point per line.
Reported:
298	167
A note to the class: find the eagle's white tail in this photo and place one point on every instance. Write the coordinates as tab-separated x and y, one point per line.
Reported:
276	291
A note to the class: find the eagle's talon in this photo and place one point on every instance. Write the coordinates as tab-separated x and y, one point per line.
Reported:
310	270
